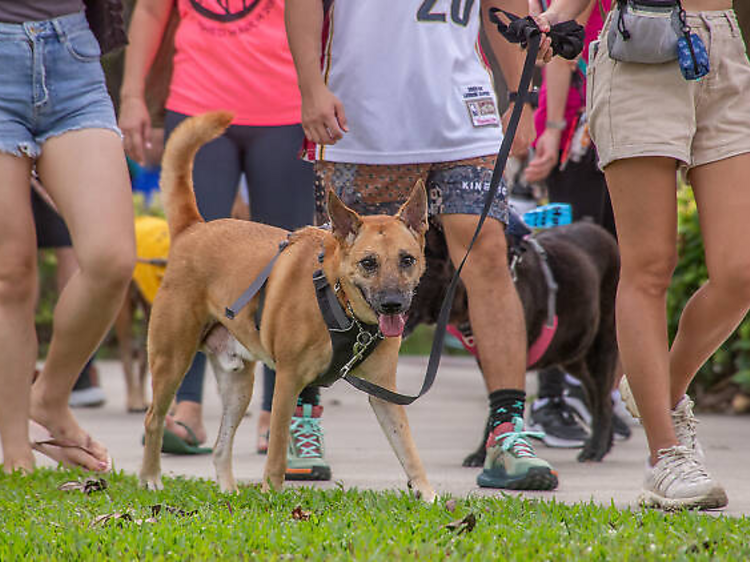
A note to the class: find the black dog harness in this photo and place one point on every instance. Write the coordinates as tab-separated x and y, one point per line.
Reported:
351	340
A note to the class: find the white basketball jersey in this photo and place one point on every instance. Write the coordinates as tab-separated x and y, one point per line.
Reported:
414	85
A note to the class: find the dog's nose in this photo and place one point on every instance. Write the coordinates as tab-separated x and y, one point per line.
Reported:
391	306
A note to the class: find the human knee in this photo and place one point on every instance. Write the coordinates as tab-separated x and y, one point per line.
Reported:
109	266
733	279
651	274
17	280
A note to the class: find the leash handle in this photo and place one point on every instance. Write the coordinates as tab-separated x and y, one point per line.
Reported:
497	175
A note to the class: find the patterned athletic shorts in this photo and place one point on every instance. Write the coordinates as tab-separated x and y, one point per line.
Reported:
457	187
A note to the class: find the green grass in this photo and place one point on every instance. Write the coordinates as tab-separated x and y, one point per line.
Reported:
40	522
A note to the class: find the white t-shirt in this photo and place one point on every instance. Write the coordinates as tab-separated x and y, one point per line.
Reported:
413	82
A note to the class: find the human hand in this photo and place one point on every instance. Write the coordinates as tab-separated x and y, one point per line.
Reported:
323	117
135	124
546	156
524	134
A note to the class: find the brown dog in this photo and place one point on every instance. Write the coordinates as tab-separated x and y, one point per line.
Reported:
376	261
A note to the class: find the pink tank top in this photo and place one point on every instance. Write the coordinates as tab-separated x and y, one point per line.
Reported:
234	56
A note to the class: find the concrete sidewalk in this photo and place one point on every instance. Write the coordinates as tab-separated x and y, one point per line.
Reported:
446	424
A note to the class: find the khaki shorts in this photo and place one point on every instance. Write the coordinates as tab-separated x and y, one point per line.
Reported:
651	110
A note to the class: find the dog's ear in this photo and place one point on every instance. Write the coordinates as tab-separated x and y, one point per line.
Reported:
345	223
413	213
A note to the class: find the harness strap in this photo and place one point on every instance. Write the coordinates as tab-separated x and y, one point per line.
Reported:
248	294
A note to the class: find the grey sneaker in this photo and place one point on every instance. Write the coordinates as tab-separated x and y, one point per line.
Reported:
680	481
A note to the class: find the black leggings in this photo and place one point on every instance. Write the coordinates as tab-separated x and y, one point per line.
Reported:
281	194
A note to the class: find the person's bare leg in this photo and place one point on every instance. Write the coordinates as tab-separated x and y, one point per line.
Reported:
191	414
716	309
643	192
18	280
494	307
95	200
67	265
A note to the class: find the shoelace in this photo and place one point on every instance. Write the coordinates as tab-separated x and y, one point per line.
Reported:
516	440
680	458
685	423
307	434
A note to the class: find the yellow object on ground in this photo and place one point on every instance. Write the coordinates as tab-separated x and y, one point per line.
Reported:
152	247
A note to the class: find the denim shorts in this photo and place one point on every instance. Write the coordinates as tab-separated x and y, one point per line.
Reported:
52	82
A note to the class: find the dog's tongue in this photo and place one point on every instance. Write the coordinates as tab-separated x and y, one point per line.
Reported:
392	325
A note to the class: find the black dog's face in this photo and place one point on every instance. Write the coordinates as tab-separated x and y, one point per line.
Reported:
382	257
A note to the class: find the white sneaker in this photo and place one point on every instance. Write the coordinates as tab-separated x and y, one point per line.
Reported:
91	397
628	399
683	419
684	427
679	481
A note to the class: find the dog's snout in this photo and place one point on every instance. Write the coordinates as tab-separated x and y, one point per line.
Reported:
391	307
393	302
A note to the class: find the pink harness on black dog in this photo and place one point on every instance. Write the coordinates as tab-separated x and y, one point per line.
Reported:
537	350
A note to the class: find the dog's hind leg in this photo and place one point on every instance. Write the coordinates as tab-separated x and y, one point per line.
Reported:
596	375
172	343
236	389
123	330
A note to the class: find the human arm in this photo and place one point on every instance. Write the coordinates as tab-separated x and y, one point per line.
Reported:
323	117
510	58
145	34
558	75
562	10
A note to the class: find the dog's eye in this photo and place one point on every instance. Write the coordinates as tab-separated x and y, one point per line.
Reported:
407	261
369	264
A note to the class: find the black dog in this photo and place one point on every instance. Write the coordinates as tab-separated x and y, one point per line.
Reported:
585	263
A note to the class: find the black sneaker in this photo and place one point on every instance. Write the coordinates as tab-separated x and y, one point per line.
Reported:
555	419
575	398
620	429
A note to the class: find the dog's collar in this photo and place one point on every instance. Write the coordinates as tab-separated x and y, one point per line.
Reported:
351	340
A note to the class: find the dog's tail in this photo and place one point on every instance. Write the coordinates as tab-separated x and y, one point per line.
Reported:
177	167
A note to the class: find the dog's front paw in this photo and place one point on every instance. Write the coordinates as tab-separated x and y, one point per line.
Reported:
422	491
476	458
151	483
591	453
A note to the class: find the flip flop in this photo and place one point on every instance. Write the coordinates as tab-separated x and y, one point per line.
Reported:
57	449
262	448
176	445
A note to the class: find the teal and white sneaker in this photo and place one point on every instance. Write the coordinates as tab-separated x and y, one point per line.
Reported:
511	462
306	449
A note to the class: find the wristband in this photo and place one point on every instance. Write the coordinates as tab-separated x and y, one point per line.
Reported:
557	125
